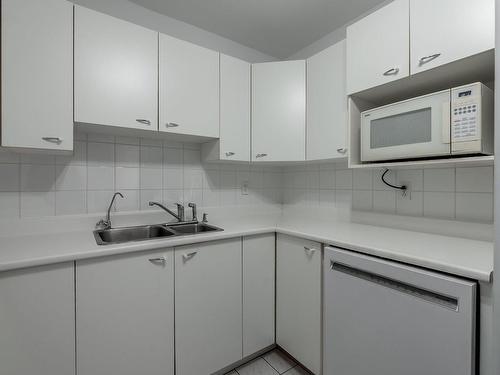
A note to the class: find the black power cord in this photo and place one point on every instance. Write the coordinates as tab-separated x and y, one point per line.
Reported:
402	187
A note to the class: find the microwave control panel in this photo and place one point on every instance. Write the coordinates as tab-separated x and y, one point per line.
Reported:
465	113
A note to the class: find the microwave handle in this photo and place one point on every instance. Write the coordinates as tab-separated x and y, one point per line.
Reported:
446	130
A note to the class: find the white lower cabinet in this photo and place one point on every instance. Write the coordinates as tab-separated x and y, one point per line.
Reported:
208	323
37	321
259	256
298	300
125	314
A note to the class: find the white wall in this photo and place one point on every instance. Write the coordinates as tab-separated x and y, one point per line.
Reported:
139	15
496	279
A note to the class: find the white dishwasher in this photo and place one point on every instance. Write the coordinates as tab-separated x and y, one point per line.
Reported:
387	318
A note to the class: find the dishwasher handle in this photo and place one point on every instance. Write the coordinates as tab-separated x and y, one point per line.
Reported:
448	302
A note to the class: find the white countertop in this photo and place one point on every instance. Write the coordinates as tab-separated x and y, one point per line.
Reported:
462	257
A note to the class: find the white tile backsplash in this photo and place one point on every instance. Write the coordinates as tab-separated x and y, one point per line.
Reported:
169	172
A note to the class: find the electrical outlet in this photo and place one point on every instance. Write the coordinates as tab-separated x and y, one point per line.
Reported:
244	188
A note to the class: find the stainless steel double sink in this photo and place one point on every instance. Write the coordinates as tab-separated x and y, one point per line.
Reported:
150	232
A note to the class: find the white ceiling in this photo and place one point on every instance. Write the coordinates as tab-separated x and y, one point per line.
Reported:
278	28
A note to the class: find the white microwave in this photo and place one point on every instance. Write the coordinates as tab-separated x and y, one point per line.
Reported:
456	121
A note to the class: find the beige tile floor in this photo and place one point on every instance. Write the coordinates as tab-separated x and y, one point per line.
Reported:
273	363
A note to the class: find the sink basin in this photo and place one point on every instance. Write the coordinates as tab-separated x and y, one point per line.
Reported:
150	232
130	234
194	228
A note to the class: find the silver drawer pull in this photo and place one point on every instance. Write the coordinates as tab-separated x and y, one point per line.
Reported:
426	59
162	260
229	153
342	151
309	250
391	72
188	256
143	121
171	125
53	140
260	155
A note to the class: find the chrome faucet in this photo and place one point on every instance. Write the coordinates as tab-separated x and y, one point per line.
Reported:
180	210
193	206
106	223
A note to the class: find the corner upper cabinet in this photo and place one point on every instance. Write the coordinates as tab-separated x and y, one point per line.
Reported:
234	142
448	30
378	47
116	72
37	74
327	104
279	111
189	88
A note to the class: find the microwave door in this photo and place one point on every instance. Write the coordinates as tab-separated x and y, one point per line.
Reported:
416	128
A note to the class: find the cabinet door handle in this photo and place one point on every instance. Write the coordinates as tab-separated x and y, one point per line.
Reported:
188	256
143	121
171	125
309	250
391	72
426	59
161	260
260	155
342	151
56	140
229	153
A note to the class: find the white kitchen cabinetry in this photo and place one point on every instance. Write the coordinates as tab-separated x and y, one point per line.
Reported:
37	74
278	111
298	300
37	321
378	47
258	292
189	88
208	287
327	104
125	314
447	30
116	72
234	142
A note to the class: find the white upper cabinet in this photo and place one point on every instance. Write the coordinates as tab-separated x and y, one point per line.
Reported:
189	88
234	109
327	104
279	111
116	72
447	30
378	47
37	74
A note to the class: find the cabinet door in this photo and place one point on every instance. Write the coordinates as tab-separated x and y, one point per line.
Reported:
447	30
125	314
298	300
116	72
378	47
208	307
258	292
37	74
37	321
327	104
234	109
278	111
189	88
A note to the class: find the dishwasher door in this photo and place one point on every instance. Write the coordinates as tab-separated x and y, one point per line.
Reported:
386	318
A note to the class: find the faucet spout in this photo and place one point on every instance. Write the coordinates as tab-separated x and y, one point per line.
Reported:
178	217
